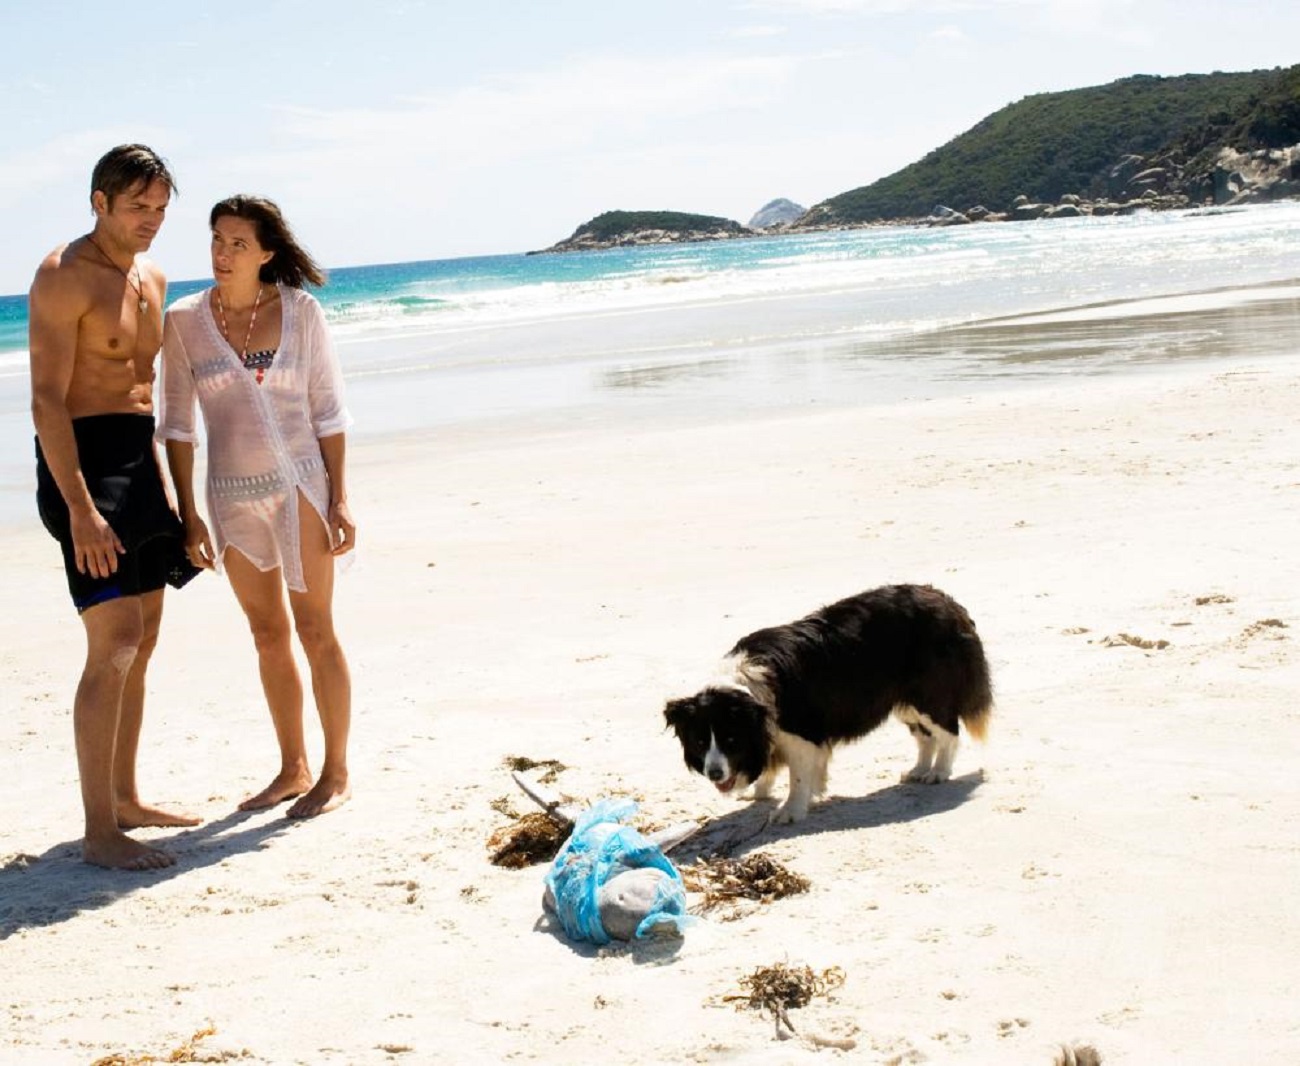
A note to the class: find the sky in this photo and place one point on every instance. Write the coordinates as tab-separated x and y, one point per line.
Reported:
396	130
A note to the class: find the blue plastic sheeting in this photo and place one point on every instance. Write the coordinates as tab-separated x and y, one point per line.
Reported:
601	847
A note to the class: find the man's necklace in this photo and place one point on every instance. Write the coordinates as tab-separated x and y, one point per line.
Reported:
252	320
138	286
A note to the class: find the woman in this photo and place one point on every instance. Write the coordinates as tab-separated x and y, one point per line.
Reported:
255	351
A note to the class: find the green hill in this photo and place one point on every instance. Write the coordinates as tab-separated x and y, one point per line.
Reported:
647	227
614	224
1270	119
1068	142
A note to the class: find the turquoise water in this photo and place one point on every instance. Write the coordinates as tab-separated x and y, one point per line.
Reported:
902	279
851	317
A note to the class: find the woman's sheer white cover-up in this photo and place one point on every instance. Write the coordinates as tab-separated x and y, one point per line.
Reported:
263	440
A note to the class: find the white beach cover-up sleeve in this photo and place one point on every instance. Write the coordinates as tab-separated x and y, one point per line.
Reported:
329	416
176	394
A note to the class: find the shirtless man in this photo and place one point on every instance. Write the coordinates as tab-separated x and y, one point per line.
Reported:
95	313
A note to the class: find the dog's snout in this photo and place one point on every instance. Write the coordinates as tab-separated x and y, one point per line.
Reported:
715	772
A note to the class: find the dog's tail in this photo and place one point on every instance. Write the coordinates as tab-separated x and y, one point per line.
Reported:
976	720
978	707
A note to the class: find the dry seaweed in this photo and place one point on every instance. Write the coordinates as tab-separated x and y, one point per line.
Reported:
187	1052
777	989
504	807
551	768
757	876
532	839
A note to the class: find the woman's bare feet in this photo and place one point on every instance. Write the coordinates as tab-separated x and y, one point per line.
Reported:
117	851
332	790
287	784
132	814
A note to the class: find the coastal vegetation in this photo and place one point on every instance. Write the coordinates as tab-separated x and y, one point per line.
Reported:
647	227
1071	143
1140	142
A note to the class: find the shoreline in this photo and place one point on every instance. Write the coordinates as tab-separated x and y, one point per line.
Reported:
698	383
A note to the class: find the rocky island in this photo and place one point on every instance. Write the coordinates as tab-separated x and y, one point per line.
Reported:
620	229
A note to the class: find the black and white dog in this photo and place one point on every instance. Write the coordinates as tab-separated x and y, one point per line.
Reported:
789	694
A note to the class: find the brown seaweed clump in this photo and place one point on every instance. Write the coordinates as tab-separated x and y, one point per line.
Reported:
550	768
757	876
532	839
777	989
187	1052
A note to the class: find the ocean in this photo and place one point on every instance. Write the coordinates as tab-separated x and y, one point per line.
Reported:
854	316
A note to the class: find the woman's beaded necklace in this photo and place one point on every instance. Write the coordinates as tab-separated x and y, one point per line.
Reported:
252	321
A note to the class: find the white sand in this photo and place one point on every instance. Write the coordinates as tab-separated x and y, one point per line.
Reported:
1117	866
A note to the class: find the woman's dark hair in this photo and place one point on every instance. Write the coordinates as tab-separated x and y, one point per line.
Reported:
291	264
122	168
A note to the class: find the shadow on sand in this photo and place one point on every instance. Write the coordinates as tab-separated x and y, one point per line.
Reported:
747	828
51	888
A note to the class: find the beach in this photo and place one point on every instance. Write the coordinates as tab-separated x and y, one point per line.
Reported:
1112	868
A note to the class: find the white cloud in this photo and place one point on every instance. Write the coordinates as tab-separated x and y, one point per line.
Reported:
64	159
581	104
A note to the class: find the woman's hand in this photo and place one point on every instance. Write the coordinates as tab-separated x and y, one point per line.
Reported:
198	544
343	531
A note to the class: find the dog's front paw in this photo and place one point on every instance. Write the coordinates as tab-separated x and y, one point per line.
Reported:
789	813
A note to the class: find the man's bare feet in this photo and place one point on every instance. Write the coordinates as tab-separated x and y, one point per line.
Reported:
331	791
287	784
118	851
132	814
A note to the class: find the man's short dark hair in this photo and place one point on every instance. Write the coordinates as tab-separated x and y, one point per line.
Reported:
122	168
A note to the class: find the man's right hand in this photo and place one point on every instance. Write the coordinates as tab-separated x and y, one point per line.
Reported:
95	544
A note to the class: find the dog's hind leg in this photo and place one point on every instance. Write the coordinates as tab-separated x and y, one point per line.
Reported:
935	746
935	750
924	754
945	750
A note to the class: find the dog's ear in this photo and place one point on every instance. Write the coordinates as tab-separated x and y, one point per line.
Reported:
677	711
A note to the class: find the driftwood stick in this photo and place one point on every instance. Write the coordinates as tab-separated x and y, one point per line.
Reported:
558	811
552	803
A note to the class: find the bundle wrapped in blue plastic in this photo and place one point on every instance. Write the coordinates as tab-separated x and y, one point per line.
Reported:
610	881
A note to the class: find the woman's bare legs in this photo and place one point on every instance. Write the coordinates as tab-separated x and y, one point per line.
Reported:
261	595
331	683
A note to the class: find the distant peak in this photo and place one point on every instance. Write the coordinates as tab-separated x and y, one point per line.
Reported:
778	212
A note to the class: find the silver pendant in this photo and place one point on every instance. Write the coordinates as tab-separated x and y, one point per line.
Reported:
144	305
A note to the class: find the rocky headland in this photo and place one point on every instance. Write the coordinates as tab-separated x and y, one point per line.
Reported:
1138	144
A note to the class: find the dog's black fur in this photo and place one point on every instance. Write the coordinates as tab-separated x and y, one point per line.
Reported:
797	690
